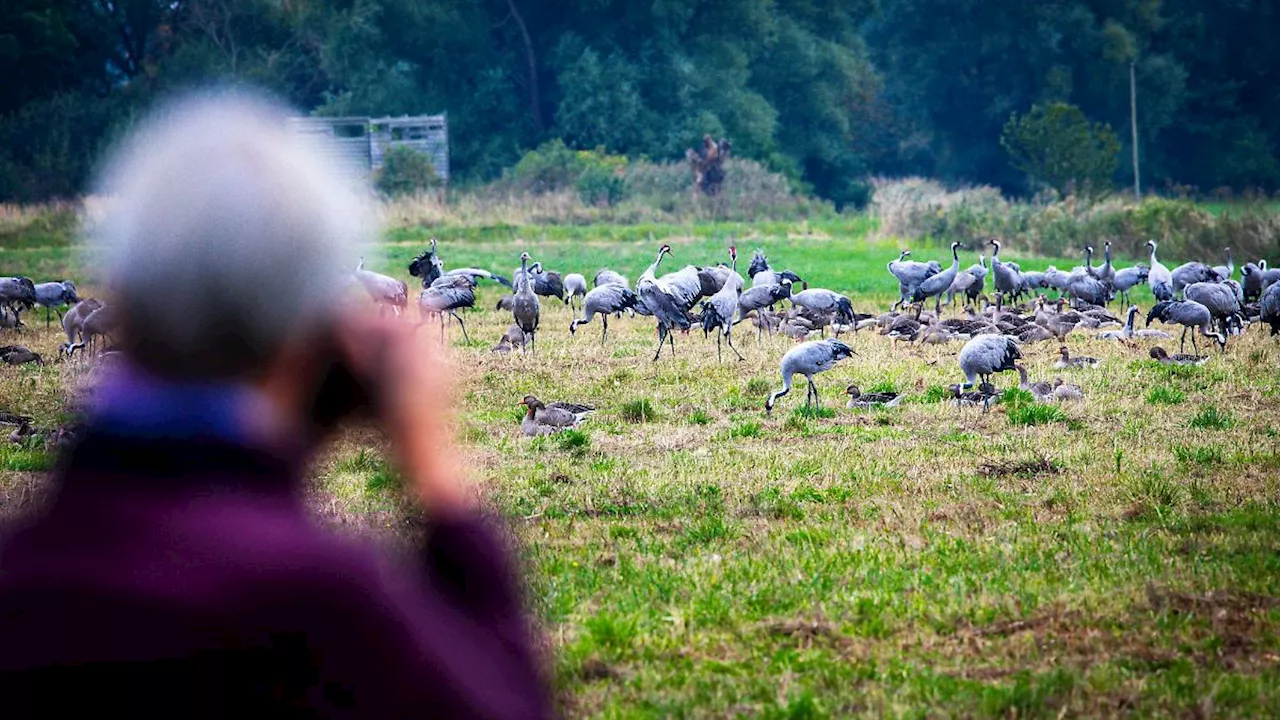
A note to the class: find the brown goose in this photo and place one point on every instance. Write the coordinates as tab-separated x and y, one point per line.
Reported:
543	419
1066	391
859	399
1159	353
19	355
1067	362
1041	390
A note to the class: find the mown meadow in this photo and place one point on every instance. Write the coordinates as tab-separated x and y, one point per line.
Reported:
687	556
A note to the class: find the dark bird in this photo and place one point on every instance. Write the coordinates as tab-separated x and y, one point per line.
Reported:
524	305
1190	315
1269	309
19	355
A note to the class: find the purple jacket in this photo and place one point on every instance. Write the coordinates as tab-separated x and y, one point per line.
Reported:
184	578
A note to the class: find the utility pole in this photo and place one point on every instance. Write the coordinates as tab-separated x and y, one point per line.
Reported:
1133	124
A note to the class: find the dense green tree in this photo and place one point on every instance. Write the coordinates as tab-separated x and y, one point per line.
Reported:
1057	146
827	92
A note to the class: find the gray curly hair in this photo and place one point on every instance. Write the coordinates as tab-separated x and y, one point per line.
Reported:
225	235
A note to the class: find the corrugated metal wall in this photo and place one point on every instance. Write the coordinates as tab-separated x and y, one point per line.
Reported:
360	143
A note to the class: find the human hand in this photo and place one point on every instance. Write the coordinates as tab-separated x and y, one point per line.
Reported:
411	376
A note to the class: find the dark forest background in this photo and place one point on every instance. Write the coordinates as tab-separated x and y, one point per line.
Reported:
827	92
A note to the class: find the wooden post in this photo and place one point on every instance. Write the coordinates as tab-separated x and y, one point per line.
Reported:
1133	124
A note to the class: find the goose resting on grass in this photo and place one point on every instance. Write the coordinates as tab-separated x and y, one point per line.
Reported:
1160	354
861	400
543	419
1074	363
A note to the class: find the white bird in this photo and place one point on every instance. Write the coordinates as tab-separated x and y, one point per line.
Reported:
808	359
387	292
1159	277
1129	331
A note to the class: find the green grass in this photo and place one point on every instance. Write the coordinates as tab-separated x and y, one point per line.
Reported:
687	556
1211	418
1165	395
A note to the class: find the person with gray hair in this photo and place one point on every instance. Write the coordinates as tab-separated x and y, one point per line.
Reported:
178	573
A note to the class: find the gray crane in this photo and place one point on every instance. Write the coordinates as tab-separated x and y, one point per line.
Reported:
986	355
103	322
609	277
447	295
387	292
1159	277
664	302
1269	275
935	285
544	282
761	274
828	303
604	300
971	282
1251	281
1107	272
1224	272
73	323
427	265
758	298
17	293
53	295
1190	315
1128	278
1007	278
575	288
1055	279
1221	301
808	359
1190	273
910	274
1085	285
1269	309
525	307
718	311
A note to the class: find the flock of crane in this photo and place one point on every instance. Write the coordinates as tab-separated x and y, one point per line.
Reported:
1205	301
1201	299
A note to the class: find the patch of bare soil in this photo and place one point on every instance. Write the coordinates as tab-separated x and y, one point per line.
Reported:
1032	467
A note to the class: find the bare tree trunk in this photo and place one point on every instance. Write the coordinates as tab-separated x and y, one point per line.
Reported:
535	104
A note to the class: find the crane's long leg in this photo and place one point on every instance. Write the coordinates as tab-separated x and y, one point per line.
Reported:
937	306
719	356
46	317
671	336
1195	349
1182	344
728	337
605	331
662	338
462	324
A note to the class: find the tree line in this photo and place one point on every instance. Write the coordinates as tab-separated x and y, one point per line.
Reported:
827	92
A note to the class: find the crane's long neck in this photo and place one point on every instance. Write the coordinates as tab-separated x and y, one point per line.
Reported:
654	267
955	257
1088	259
1154	262
1128	323
995	255
1022	377
524	278
1106	253
1231	266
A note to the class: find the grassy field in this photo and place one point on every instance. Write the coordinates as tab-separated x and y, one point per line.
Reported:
688	556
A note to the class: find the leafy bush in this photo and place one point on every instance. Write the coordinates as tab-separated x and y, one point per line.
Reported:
1204	455
1211	418
405	171
1057	146
699	417
1022	409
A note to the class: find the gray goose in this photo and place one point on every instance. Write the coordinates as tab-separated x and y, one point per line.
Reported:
543	419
